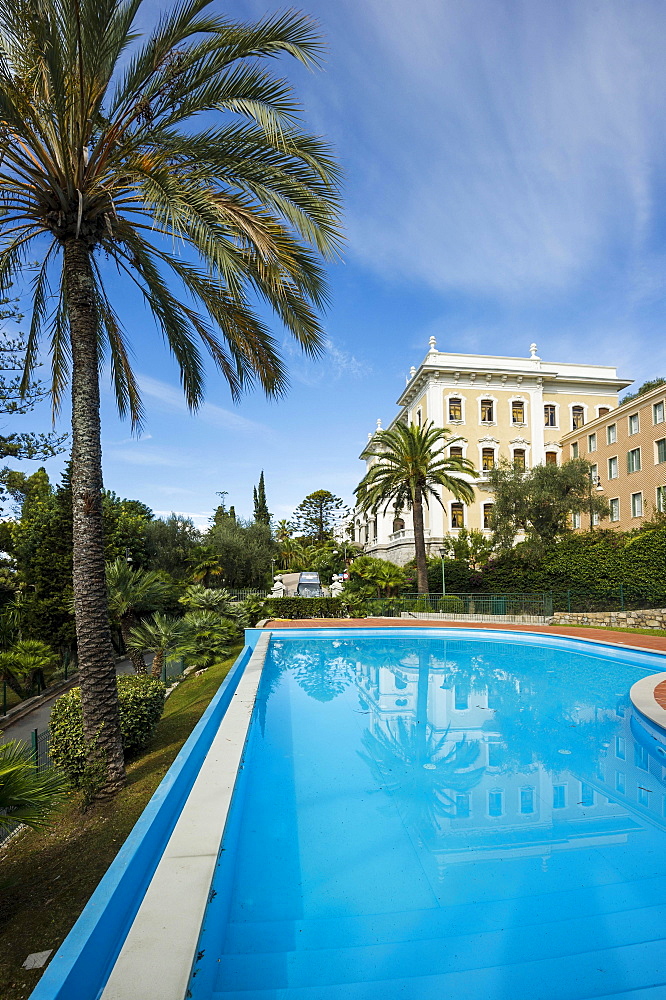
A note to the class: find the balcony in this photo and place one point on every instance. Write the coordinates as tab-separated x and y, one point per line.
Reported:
406	534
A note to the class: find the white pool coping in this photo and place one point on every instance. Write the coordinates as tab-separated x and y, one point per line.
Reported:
642	697
156	958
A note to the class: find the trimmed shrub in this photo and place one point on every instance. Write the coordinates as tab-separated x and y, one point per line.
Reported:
451	605
305	607
141	702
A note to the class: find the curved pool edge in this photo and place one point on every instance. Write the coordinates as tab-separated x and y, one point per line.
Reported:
84	960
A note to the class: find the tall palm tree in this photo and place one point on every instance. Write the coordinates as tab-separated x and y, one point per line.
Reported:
410	464
133	593
107	165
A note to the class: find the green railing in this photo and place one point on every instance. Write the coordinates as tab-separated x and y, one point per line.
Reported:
534	605
622	597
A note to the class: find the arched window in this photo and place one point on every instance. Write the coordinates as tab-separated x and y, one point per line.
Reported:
398	524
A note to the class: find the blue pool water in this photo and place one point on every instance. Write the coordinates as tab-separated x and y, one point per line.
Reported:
429	818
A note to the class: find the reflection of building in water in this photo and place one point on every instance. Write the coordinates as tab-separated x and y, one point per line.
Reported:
516	805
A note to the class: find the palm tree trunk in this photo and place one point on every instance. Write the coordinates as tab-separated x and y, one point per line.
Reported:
99	694
158	662
127	622
419	545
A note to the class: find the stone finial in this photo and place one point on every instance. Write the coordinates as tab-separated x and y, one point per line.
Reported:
379	424
412	372
369	435
533	352
433	345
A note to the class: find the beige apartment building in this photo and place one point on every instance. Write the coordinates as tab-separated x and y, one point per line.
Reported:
627	448
499	407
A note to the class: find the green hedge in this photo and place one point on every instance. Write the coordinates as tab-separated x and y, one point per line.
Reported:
305	607
141	701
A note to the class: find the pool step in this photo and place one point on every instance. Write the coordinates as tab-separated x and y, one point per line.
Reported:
635	972
602	949
466	918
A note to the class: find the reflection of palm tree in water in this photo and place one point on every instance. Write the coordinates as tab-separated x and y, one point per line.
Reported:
415	766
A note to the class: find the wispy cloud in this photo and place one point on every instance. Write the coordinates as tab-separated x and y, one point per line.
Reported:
335	365
141	456
505	148
171	397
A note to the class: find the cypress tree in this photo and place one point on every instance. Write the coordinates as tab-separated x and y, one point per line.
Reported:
261	511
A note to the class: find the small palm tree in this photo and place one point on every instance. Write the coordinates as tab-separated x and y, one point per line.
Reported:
161	635
26	796
209	637
410	464
24	665
107	170
199	598
133	593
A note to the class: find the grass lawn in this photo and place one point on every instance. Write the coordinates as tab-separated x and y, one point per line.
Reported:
616	628
47	877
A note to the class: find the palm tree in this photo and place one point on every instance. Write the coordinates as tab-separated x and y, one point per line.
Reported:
106	167
410	463
200	598
24	664
160	635
133	593
26	795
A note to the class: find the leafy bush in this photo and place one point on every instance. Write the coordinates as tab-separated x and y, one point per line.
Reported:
451	605
305	607
141	702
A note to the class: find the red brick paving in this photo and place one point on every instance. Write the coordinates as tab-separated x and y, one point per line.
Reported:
657	643
660	694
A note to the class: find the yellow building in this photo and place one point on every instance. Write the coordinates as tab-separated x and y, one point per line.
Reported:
627	449
513	408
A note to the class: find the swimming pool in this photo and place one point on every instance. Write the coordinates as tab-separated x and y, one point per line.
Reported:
441	816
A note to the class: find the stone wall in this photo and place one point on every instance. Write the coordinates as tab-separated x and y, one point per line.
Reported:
652	618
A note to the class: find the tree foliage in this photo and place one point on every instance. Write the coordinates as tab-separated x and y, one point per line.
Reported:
169	545
245	550
646	387
318	516
540	502
410	468
261	511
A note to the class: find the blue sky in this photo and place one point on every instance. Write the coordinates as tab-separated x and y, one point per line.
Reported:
505	182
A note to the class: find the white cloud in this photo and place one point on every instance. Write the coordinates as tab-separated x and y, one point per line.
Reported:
336	364
505	148
172	398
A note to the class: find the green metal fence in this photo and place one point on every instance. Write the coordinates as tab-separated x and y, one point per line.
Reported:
39	743
622	597
511	605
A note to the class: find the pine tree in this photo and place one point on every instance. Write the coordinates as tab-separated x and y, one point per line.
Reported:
261	511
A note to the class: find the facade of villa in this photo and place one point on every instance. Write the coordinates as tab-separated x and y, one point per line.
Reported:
627	449
499	407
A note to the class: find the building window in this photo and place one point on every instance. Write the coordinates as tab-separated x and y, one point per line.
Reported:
575	520
457	516
577	417
517	412
519	458
574	449
455	451
549	415
658	413
641	757
620	748
551	458
661	499
611	434
487	514
594	472
613	468
559	796
633	423
495	754
398	524
526	800
614	505
634	460
419	417
495	802
591	442
462	805
488	459
636	504
586	794
455	409
661	450
461	700
603	410
643	796
620	782
487	411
